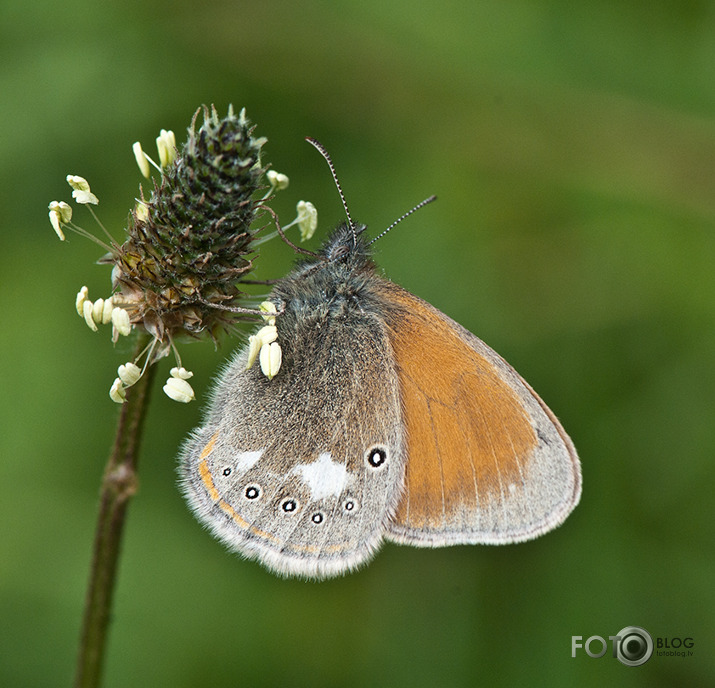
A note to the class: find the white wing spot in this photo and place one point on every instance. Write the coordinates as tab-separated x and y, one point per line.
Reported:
248	460
324	477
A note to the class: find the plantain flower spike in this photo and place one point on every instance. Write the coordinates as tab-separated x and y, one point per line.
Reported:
189	245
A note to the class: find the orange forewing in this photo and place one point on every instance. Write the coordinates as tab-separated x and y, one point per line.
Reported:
469	436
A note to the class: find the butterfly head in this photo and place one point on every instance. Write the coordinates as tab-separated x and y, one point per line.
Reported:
346	244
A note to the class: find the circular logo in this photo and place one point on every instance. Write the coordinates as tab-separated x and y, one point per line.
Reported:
635	646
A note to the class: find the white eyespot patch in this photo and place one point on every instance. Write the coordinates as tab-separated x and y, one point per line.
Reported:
324	477
248	460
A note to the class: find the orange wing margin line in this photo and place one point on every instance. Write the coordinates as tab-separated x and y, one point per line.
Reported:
205	473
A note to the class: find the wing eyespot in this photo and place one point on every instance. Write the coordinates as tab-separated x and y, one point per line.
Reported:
290	505
252	492
317	518
376	457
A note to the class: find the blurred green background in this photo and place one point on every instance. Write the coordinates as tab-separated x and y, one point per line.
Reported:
572	147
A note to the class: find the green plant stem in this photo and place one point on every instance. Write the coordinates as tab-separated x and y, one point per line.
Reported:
119	484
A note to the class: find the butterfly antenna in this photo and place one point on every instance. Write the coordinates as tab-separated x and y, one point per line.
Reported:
321	149
422	204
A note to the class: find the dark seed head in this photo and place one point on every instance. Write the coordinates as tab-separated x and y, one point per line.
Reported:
184	256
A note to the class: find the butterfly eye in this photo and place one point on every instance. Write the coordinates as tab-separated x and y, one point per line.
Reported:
376	457
317	517
252	492
289	506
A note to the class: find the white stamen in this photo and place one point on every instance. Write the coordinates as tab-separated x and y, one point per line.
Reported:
270	357
179	390
256	342
60	213
166	145
87	308
107	311
98	311
79	301
129	373
117	392
81	192
77	183
307	219
120	320
181	373
277	180
141	159
269	308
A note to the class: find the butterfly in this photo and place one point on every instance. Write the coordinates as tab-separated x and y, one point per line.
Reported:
386	420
